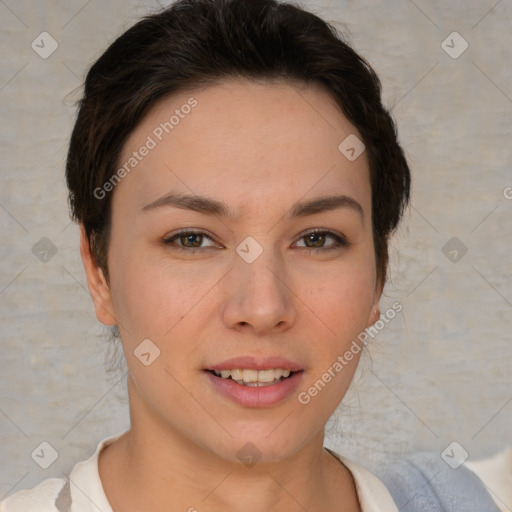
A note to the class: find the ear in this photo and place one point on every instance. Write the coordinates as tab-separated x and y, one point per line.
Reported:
98	286
374	314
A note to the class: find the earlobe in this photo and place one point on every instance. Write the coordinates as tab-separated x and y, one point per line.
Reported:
97	284
375	310
374	315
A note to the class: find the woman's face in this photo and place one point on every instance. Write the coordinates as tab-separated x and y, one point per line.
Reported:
249	287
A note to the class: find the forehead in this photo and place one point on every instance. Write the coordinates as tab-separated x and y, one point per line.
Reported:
262	137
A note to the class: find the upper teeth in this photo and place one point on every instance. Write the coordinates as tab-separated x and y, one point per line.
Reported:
253	376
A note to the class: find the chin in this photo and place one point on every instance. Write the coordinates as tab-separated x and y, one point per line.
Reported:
257	446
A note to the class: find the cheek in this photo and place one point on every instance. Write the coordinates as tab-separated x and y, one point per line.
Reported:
343	300
139	294
341	307
151	297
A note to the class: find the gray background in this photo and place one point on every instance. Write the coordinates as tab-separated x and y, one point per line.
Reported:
441	370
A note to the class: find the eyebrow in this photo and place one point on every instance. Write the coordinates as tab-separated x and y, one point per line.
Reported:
209	206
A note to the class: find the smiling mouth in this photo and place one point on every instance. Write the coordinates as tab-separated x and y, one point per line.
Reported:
254	378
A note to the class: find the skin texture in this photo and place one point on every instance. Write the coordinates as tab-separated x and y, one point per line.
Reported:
259	148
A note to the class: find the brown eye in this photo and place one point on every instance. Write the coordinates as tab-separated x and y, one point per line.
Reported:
316	240
189	240
194	239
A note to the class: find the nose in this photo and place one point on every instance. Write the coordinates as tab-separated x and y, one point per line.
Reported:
259	296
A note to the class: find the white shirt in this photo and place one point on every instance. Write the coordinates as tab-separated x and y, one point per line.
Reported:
88	495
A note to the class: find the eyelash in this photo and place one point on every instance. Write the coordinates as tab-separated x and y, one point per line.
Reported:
340	241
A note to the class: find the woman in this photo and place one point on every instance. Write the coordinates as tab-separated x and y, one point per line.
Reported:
236	180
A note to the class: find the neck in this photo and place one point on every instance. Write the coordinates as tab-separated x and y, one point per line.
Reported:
152	467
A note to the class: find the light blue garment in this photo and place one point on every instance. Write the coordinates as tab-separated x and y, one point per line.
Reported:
424	482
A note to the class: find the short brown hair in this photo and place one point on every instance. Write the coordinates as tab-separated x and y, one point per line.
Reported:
195	43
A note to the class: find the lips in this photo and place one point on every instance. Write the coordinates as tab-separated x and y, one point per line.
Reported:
255	382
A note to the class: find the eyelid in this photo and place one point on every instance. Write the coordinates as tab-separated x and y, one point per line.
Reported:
341	240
